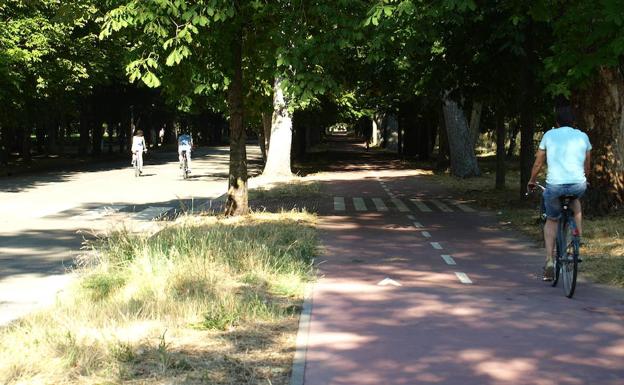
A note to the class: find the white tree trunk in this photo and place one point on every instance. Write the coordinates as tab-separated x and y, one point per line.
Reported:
463	159
280	141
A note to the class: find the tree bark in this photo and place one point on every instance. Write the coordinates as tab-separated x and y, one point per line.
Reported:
237	202
265	135
475	122
463	159
278	156
443	160
601	113
500	150
527	148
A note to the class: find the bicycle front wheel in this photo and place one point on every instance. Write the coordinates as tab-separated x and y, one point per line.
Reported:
569	259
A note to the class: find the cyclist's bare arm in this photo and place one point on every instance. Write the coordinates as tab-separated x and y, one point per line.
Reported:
540	159
587	164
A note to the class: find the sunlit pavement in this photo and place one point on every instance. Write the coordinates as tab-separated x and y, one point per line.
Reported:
433	294
45	218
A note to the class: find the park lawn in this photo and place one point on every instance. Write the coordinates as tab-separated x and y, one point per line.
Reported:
205	300
603	252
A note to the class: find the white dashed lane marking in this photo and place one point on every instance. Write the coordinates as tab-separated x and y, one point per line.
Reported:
421	206
441	206
463	278
418	225
400	205
426	234
380	205
436	245
448	259
359	204
339	204
463	207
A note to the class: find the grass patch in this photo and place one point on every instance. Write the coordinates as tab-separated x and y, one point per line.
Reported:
295	188
603	253
209	300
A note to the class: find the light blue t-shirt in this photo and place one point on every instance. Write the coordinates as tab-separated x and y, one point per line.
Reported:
565	148
185	140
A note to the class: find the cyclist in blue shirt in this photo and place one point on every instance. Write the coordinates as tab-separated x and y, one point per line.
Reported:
185	143
567	152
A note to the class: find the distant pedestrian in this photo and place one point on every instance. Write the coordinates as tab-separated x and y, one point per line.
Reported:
161	135
138	148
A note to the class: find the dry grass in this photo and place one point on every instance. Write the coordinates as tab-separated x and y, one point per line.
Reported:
209	300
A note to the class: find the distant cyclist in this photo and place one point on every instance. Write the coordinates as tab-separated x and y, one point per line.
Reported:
566	151
138	148
185	143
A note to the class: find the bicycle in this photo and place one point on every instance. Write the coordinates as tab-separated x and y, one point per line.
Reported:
567	242
184	165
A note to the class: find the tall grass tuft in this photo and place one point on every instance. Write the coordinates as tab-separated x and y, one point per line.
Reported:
119	320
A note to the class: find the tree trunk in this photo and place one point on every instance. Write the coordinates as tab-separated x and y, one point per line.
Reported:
83	143
278	156
265	135
527	150
512	139
500	151
475	122
26	144
443	160
237	196
377	134
463	159
601	113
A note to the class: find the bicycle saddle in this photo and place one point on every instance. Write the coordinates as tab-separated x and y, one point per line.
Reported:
566	199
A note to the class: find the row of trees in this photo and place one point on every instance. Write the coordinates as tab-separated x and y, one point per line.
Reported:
437	70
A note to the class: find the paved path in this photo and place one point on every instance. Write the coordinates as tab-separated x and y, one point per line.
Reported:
420	289
45	218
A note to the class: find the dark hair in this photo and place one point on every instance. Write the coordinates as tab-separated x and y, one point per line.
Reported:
564	116
139	133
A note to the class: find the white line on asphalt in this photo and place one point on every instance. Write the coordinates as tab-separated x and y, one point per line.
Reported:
339	204
421	206
436	245
359	204
463	207
426	234
463	278
99	212
411	217
448	259
441	206
400	205
379	204
418	224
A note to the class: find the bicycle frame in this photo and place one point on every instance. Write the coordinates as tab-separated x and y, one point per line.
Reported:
567	243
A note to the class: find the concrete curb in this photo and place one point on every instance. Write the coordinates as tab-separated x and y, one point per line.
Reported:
301	345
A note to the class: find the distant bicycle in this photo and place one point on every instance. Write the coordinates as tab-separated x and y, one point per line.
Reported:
568	240
184	165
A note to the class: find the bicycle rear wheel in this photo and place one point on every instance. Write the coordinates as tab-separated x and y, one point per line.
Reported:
569	258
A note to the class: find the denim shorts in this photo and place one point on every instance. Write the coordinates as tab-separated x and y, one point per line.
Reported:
554	191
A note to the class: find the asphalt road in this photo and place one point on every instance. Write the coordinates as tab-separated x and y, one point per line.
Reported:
45	218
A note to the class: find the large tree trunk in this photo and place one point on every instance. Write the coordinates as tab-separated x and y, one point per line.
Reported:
278	158
377	135
601	114
527	150
265	135
475	122
500	150
237	198
463	159
443	160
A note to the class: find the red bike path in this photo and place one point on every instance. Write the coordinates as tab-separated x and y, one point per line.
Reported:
389	309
